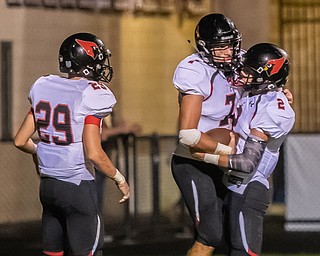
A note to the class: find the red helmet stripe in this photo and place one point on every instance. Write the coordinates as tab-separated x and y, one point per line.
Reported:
276	65
88	46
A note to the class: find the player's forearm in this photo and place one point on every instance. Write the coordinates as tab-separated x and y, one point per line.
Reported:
201	142
26	146
219	160
204	143
22	139
239	162
102	162
209	145
250	157
223	161
94	151
245	162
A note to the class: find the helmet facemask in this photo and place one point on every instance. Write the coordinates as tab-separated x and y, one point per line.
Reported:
249	79
258	81
106	68
225	63
99	71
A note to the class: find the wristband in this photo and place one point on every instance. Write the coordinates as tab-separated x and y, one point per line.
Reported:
119	178
211	159
222	149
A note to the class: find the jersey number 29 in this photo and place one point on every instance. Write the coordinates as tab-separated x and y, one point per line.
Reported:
60	119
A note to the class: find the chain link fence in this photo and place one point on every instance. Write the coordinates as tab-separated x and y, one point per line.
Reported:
302	181
146	162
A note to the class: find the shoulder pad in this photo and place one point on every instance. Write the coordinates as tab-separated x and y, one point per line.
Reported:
190	76
281	112
274	115
98	100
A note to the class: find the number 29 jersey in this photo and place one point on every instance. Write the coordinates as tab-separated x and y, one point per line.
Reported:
60	107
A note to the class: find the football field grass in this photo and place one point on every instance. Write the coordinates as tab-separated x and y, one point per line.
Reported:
282	254
268	254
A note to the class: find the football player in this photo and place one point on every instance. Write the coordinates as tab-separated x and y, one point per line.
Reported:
67	113
265	118
206	101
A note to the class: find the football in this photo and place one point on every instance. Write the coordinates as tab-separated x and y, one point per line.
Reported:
221	135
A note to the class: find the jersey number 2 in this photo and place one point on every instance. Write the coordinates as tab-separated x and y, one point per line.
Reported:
280	104
59	118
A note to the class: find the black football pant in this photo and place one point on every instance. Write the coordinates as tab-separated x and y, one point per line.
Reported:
244	219
203	192
70	218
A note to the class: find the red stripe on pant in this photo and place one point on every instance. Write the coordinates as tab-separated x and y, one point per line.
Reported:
251	253
53	253
58	253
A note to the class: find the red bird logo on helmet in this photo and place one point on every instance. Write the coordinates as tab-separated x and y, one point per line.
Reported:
90	48
273	66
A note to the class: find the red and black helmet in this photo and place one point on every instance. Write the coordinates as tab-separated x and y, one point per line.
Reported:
85	55
268	66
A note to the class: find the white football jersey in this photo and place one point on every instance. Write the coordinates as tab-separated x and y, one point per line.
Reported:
272	114
194	76
60	107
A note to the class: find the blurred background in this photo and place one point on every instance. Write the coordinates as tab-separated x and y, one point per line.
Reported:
148	38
